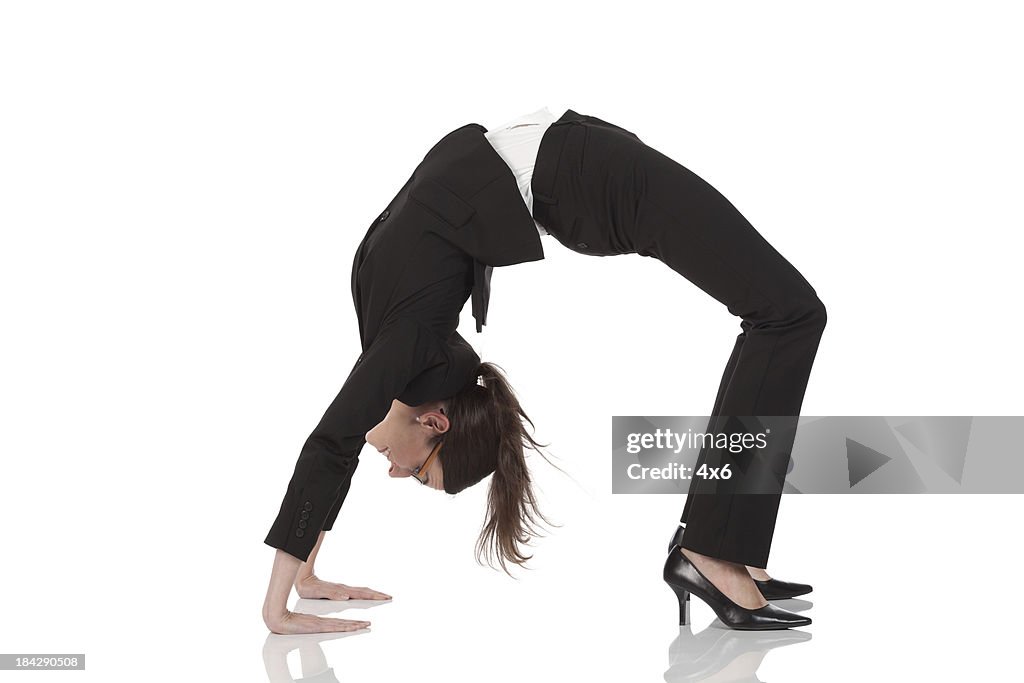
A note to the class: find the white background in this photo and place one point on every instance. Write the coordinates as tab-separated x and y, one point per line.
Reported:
182	186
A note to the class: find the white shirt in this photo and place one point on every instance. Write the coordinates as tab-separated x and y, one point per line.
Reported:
517	142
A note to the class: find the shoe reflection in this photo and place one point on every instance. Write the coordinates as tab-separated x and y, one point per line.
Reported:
719	653
794	604
312	659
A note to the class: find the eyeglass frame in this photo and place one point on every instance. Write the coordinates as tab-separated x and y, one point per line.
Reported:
426	464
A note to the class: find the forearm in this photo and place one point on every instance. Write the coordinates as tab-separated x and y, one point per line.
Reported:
306	568
281	579
275	608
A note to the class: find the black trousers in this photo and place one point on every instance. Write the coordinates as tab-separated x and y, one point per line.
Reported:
600	190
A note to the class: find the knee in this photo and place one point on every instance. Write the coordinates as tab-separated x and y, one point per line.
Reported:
804	312
812	313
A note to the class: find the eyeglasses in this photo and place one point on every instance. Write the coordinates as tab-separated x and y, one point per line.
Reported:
426	463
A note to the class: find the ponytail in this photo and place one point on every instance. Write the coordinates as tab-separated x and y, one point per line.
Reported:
487	435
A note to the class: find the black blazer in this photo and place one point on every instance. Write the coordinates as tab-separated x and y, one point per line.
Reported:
462	192
435	244
459	215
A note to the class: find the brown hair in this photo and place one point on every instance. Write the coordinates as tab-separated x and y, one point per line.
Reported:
487	435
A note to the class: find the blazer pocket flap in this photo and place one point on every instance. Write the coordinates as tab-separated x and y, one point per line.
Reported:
448	206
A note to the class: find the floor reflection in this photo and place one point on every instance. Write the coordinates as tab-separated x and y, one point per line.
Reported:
312	659
719	653
716	653
322	607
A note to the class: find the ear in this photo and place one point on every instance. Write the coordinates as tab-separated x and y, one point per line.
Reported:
435	420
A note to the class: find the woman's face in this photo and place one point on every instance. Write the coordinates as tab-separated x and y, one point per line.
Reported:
404	436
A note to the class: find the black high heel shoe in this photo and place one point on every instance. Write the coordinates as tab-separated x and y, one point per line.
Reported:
684	578
772	589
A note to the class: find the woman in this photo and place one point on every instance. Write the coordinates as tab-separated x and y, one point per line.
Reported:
420	395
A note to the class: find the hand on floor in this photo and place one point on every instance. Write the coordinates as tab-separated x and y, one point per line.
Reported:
313	588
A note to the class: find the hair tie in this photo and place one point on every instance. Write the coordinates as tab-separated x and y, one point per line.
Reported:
480	380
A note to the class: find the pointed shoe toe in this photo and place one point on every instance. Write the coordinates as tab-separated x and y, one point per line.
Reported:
773	589
683	577
770	617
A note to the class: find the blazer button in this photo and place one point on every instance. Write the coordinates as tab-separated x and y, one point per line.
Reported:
303	524
300	533
581	245
308	506
384	215
304	515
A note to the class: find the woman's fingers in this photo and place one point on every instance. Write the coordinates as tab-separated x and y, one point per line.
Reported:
314	588
364	593
292	623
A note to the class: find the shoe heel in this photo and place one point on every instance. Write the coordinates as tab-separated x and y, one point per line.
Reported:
677	538
684	604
